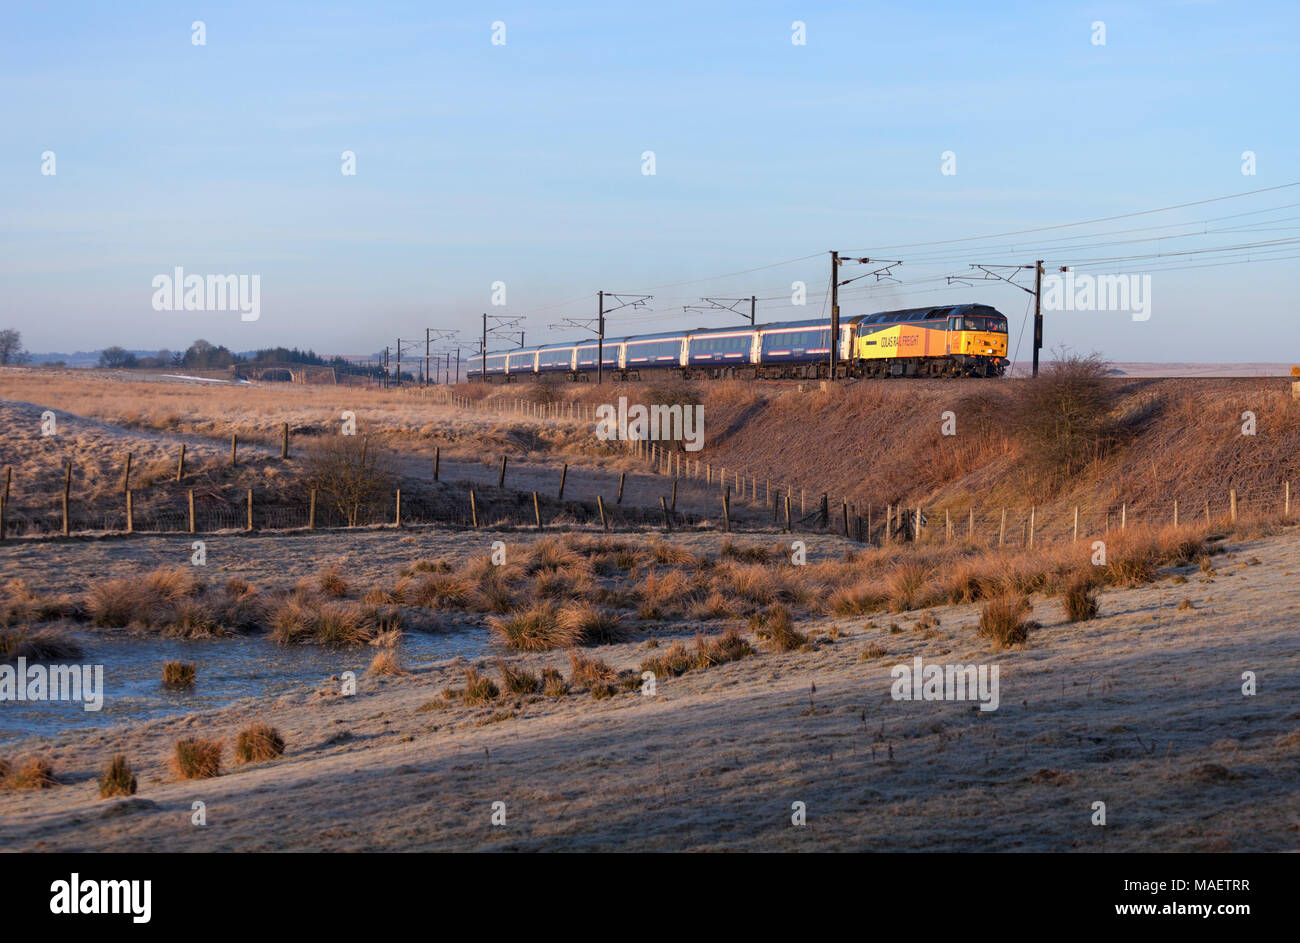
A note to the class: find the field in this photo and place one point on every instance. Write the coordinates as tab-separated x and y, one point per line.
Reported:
1120	681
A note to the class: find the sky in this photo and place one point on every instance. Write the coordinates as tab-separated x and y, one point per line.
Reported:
523	163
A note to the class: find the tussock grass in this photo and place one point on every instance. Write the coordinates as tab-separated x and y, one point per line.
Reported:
48	644
19	604
299	621
776	627
386	663
1080	599
591	625
32	772
196	758
748	553
1005	621
258	742
178	674
479	689
117	779
332	582
442	590
589	671
553	683
729	646
906	584
536	629
672	661
515	680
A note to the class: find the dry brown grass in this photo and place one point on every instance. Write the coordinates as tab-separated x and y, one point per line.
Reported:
117	779
591	625
297	620
258	742
516	680
178	674
588	671
479	689
386	663
776	627
332	582
48	644
196	758
1080	599
32	772
1004	620
553	683
536	629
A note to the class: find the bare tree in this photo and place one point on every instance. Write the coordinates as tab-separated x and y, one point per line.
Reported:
11	347
351	471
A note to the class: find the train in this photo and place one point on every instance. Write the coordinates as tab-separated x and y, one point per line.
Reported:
951	341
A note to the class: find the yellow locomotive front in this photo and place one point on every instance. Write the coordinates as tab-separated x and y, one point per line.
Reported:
977	341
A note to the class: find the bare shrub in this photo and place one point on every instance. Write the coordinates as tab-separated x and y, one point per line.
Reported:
351	471
1062	418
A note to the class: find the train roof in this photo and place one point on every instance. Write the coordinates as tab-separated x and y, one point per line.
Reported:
662	336
782	325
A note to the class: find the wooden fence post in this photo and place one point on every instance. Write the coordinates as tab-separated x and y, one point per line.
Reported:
284	440
130	513
668	521
180	463
501	479
970	524
233	441
537	511
473	508
726	510
191	503
67	487
1207	512
1175	512
1076	520
844	510
126	476
622	476
1232	504
600	506
787	512
250	508
1033	521
1123	516
674	504
1002	528
437	458
311	511
947	525
397	516
564	473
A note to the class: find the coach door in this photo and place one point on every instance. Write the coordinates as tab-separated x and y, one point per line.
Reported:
954	334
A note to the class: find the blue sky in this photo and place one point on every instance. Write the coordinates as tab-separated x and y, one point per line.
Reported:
522	163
